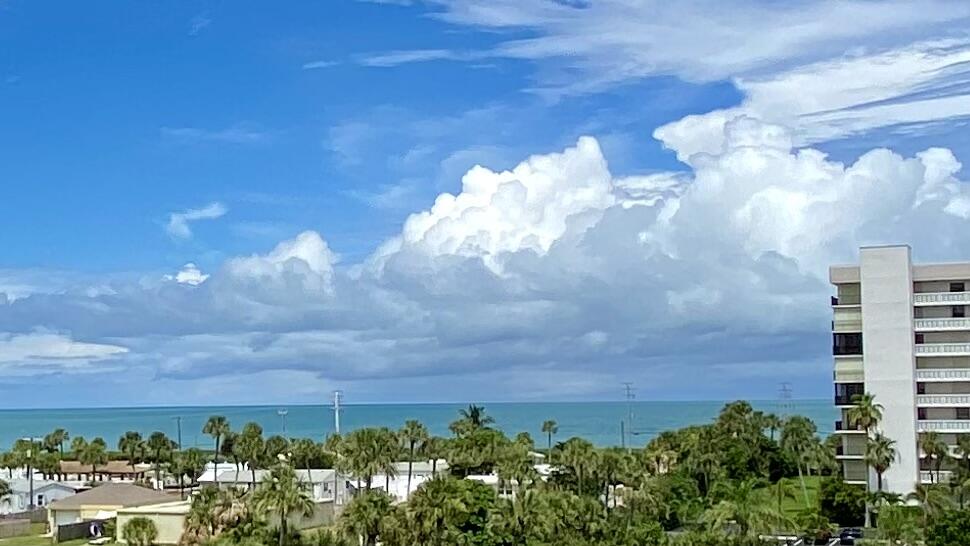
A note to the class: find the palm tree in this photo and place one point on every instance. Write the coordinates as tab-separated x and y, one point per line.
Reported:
368	452
4	489
935	449
963	448
744	504
797	436
576	455
160	448
432	449
773	423
191	463
470	420
56	440
932	500
252	449
132	446
94	453
217	426
866	413
78	444
366	515
283	494
304	452
880	454
549	428
413	434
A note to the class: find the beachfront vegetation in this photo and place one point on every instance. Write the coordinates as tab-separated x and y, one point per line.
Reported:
744	475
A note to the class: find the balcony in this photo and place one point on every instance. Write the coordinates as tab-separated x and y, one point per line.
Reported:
943	400
927	476
846	428
942	298
943	425
943	374
943	349
941	324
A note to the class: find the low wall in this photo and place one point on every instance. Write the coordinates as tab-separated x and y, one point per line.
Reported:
73	531
38	515
14	528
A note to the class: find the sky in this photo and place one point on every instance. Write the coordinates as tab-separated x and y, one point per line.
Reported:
211	202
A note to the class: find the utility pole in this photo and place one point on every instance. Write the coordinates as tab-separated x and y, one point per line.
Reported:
30	471
785	404
178	424
282	413
337	499
630	396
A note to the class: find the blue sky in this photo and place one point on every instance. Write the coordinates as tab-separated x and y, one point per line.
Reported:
294	157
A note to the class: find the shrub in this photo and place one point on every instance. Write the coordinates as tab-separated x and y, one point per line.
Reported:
951	528
842	503
139	531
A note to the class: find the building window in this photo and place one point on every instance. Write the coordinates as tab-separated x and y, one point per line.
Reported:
959	311
956	287
963	414
846	392
921	414
919	339
847	344
40	500
921	388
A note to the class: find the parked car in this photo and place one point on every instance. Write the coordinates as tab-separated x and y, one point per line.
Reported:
848	536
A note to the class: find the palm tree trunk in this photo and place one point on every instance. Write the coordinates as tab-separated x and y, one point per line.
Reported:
282	526
407	493
252	470
804	489
215	461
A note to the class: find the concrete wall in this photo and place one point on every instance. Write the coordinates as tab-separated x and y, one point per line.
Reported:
14	528
887	337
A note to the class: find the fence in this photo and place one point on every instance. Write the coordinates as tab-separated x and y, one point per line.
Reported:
73	531
37	515
14	527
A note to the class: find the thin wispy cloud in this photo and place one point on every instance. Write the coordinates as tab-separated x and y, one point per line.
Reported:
179	223
319	64
199	23
236	134
395	58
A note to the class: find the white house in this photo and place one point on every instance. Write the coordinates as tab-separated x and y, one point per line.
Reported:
45	491
319	481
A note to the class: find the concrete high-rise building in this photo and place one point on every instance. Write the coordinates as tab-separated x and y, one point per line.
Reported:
900	332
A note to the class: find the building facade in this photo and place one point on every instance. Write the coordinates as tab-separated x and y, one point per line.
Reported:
900	332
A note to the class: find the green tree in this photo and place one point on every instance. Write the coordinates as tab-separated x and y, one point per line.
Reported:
413	434
432	449
446	511
880	455
576	457
963	449
283	494
160	449
549	428
865	414
55	440
252	449
140	531
133	447
934	450
78	444
217	427
4	489
950	528
94	453
797	438
932	500
304	452
191	463
744	504
773	423
470	420
366	516
896	524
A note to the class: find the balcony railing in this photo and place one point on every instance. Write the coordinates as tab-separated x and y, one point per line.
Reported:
943	400
942	324
841	426
943	374
927	476
942	298
943	349
943	425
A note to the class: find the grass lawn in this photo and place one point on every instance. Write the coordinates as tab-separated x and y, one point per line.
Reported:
37	540
793	501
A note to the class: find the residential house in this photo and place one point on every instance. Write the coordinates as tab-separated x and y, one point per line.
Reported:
45	491
102	502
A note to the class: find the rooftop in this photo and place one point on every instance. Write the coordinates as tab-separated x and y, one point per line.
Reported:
113	494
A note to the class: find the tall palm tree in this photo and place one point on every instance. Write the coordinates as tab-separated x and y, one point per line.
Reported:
78	444
56	439
283	494
432	449
797	438
773	423
252	448
549	428
304	452
963	448
413	434
217	426
866	413
935	450
191	463
160	449
932	500
470	420
880	454
132	445
576	455
94	453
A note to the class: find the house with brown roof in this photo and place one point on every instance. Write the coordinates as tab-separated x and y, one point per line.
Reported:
102	502
112	470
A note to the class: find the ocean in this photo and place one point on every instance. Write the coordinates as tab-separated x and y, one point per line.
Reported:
598	422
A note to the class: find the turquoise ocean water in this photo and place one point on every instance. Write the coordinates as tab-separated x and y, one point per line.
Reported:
599	422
